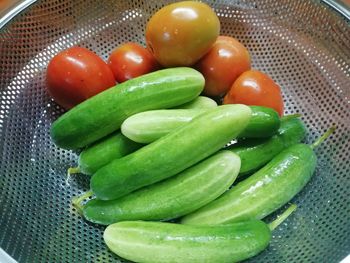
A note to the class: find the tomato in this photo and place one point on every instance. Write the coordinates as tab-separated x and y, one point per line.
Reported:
256	88
75	75
180	34
131	60
223	64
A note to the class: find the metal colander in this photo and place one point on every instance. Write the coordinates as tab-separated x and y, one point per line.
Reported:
303	45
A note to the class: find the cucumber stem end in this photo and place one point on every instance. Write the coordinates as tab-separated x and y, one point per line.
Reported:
323	137
70	171
279	220
73	170
76	201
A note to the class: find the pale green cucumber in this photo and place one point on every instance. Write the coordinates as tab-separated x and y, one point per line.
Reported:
201	102
148	126
171	154
173	197
157	242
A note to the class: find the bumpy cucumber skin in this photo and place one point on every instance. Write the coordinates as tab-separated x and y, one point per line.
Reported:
157	242
104	151
105	112
264	123
201	102
171	154
255	153
149	126
173	197
263	192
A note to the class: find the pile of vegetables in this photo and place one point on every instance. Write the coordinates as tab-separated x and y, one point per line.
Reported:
158	149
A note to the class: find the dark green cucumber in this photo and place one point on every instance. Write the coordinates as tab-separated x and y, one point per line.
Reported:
173	197
171	154
264	123
255	153
148	126
157	242
104	113
263	192
104	151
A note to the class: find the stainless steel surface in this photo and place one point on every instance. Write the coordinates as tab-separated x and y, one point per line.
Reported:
303	45
10	8
342	6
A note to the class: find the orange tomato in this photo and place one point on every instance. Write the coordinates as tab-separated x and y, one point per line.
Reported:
255	88
180	34
223	64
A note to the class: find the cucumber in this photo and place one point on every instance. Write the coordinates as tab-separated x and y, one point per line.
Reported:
104	151
171	154
173	197
105	112
264	123
201	102
148	126
255	153
158	242
263	192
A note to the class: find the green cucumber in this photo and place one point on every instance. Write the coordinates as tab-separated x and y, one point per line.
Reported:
104	113
201	102
148	126
255	153
264	123
171	154
159	242
104	151
263	192
173	197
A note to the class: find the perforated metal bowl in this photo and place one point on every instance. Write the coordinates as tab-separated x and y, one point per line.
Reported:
303	45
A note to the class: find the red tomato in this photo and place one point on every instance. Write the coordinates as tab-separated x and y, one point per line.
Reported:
77	74
131	60
255	88
223	64
181	33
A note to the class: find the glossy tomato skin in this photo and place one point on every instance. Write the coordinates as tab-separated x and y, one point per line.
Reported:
131	60
76	74
255	88
180	34
223	64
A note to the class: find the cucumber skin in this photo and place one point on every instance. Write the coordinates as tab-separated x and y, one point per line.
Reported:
263	192
104	113
146	127
264	123
255	153
201	102
157	242
104	151
149	126
173	197
171	154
